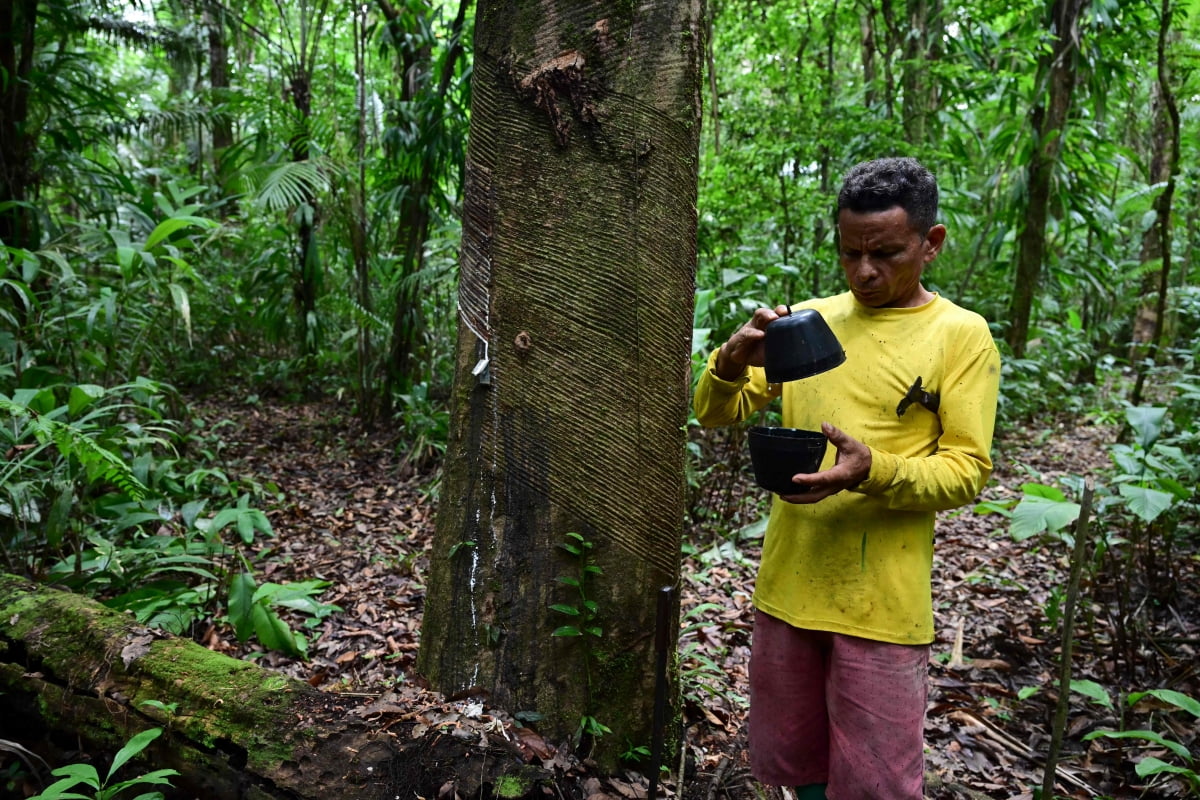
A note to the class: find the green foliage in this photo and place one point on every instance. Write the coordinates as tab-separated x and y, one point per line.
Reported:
700	672
251	611
90	498
583	612
75	778
1149	766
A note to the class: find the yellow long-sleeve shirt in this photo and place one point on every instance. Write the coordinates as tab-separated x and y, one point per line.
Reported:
859	562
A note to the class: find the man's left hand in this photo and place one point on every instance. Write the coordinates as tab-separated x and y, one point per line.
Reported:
851	468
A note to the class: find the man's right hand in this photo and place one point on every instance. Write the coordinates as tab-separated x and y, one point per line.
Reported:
746	346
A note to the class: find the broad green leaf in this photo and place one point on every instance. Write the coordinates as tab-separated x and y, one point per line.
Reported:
563	608
83	395
58	789
1042	490
1146	503
59	515
273	633
755	530
150	795
1092	690
159	777
169	226
125	256
732	276
1177	699
83	773
1154	766
1036	514
1147	736
1003	508
1177	489
179	296
134	746
567	630
241	605
245	527
1147	423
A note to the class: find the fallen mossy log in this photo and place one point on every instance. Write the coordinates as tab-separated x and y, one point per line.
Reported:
75	677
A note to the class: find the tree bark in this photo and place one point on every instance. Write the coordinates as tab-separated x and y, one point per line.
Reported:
75	672
218	89
922	46
576	294
414	70
1152	311
1048	120
18	223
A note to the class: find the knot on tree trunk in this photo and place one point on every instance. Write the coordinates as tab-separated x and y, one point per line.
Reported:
559	89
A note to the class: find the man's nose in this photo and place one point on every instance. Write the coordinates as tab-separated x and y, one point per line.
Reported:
865	271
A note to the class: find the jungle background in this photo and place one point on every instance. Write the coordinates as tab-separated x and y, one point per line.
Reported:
227	315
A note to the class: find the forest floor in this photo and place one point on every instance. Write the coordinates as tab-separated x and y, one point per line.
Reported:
351	511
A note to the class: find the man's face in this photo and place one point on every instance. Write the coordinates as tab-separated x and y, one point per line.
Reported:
883	257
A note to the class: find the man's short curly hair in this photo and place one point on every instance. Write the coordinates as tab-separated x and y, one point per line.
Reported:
889	182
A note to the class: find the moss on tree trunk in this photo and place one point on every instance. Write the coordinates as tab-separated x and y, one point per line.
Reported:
74	676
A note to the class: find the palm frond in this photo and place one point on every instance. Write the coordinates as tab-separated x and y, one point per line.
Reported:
289	184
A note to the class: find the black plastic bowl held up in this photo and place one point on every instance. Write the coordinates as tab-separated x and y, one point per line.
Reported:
779	453
800	345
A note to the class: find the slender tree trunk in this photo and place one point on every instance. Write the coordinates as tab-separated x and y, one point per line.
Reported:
1048	119
367	396
868	49
309	271
218	88
890	43
1165	166
412	233
18	223
576	288
922	46
822	224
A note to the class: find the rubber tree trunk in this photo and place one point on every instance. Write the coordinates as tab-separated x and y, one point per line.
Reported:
1056	86
570	402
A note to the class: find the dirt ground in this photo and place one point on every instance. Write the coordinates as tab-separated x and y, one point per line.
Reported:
354	512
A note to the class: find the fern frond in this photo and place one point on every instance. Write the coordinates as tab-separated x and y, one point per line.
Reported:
98	461
366	318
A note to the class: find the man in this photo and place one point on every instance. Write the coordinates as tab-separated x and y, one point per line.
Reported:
843	607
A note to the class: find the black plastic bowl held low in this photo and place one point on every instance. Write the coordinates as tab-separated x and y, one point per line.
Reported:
800	345
779	453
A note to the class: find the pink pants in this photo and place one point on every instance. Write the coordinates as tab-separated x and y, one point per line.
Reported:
836	709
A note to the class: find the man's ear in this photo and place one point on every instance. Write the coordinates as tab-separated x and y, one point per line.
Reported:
934	240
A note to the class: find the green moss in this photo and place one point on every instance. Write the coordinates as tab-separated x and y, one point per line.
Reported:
218	697
512	786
